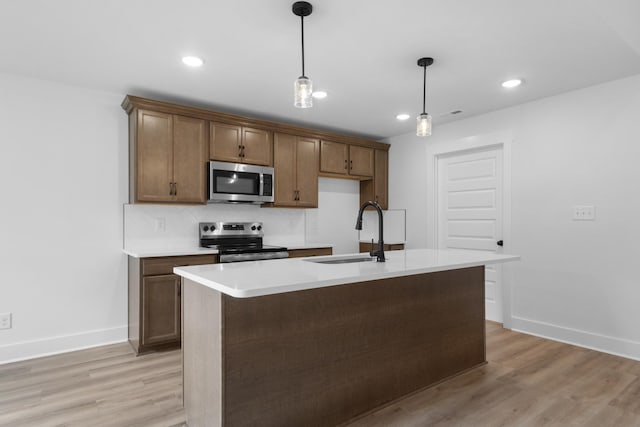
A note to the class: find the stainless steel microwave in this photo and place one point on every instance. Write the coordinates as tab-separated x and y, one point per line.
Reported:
239	183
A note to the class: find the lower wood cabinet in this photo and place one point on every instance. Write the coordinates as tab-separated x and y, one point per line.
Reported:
155	301
160	309
366	247
301	253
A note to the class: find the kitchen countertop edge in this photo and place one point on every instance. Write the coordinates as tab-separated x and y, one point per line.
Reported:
279	272
151	252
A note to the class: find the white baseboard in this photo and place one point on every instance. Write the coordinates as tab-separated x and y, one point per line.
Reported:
61	344
606	344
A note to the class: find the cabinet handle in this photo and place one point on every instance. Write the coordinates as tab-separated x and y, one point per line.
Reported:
350	164
175	188
171	189
345	164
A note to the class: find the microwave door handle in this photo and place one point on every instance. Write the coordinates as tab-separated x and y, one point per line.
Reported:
261	190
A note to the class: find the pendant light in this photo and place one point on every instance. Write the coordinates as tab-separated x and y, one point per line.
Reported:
424	119
303	87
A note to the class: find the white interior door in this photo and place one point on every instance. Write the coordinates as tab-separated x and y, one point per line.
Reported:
470	211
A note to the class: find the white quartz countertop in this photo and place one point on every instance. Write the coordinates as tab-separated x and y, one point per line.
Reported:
258	278
151	251
160	251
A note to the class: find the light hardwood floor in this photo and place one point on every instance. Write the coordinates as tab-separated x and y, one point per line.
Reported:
528	381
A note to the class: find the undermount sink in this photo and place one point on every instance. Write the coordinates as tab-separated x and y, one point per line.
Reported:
337	260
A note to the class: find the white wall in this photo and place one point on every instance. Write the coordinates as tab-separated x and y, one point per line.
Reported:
576	281
63	172
335	220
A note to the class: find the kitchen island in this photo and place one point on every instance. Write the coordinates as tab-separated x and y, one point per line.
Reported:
319	341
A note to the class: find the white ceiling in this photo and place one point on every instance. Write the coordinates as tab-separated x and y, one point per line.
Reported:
362	52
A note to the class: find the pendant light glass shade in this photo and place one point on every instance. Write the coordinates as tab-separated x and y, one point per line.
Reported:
424	125
303	89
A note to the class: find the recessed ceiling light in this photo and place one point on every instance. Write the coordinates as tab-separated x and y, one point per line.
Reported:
403	116
512	83
319	94
192	61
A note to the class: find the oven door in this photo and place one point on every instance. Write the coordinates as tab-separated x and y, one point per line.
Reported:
238	183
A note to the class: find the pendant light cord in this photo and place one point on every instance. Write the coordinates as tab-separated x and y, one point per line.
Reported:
302	27
424	90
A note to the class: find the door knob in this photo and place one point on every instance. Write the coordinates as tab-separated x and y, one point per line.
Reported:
500	243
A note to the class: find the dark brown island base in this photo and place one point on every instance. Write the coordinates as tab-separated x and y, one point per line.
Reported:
324	356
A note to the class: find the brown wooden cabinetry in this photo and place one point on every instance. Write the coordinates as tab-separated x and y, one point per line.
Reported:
366	247
240	144
360	160
301	253
376	189
349	161
155	300
160	297
334	157
169	154
170	146
295	161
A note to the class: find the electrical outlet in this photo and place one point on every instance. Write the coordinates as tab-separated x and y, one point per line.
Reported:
5	321
584	213
161	224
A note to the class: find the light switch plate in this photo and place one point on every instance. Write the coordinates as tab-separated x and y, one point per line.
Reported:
584	213
5	321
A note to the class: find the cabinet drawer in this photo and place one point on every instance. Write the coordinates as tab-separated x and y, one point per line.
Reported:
165	265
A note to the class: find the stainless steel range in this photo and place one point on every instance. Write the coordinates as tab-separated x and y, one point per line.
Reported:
238	241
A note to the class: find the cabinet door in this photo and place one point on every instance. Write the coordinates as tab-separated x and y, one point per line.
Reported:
160	309
377	189
189	159
154	157
307	172
334	157
225	142
284	165
381	178
257	147
360	161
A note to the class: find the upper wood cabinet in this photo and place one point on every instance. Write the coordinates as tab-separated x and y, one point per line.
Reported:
360	160
240	144
169	155
295	161
352	161
377	189
155	300
334	157
170	146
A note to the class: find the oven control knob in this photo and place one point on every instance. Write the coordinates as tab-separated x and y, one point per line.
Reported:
259	227
206	228
253	227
